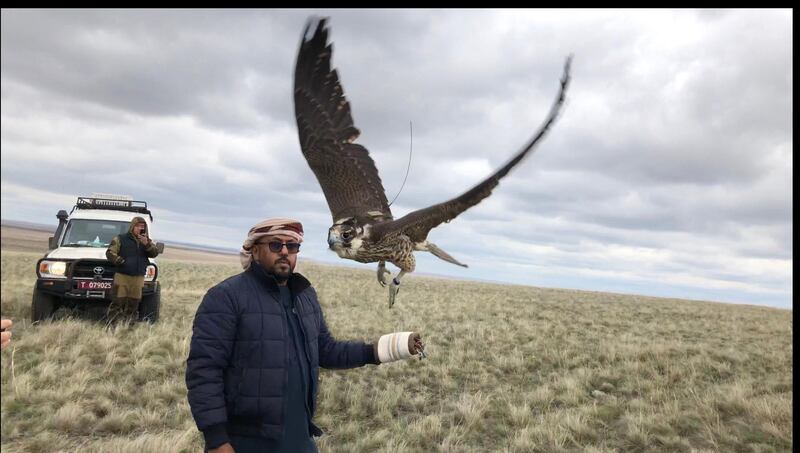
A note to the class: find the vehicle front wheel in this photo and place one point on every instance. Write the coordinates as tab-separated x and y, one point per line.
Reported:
43	306
150	306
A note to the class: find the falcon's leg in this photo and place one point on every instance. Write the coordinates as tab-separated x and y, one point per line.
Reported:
394	288
382	272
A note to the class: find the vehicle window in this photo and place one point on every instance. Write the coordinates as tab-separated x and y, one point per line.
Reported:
92	233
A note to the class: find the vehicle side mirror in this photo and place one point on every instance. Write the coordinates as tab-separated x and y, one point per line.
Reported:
51	242
160	247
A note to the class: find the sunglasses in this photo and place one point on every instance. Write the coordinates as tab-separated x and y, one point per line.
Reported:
276	246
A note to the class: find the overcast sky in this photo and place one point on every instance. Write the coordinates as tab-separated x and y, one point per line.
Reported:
669	172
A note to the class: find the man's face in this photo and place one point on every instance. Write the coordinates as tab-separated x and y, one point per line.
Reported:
139	228
281	263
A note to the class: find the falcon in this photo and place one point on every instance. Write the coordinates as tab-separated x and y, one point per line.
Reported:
364	229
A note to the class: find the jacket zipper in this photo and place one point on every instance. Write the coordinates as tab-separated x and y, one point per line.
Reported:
305	352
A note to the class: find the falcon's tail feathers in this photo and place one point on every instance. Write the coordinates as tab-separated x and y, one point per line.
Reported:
433	248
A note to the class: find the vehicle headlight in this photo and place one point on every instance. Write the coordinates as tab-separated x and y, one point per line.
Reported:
150	273
53	269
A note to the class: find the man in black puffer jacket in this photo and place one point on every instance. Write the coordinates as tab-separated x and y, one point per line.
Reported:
258	341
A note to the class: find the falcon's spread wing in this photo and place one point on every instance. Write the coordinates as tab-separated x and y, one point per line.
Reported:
416	225
346	172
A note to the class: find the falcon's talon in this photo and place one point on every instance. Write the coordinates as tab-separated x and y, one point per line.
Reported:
382	272
393	290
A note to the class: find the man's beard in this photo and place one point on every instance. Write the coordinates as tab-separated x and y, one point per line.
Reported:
281	272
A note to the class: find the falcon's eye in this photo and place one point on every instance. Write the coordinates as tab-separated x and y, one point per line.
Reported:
347	234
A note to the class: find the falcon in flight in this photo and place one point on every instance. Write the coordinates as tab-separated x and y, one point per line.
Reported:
363	227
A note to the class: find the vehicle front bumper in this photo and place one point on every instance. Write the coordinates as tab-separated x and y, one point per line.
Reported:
68	288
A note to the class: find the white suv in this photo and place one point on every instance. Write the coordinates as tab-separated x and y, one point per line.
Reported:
75	272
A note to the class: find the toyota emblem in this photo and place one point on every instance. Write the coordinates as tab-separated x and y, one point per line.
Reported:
98	270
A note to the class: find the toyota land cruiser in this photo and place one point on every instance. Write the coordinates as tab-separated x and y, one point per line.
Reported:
74	273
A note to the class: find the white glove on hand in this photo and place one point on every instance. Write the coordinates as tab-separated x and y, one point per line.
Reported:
398	346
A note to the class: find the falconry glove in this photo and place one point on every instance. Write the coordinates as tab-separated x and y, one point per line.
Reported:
398	346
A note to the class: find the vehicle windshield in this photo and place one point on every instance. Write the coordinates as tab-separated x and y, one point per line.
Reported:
92	233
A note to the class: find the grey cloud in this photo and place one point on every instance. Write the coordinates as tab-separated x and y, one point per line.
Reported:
153	62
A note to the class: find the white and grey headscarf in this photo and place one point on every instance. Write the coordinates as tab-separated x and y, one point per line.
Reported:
265	228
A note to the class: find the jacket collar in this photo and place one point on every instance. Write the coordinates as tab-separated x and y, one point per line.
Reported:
297	283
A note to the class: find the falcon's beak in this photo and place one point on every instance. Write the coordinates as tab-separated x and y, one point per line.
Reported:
331	241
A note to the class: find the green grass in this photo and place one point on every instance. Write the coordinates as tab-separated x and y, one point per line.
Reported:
511	368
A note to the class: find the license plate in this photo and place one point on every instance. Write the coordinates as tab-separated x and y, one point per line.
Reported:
94	285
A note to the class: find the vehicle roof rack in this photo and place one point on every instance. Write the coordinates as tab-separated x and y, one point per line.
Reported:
114	204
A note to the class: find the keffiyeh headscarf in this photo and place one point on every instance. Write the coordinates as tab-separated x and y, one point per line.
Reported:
265	228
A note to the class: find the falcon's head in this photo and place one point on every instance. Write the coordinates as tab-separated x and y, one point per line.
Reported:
346	237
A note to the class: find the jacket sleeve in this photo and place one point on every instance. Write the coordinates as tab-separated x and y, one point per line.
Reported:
112	252
151	249
342	354
210	352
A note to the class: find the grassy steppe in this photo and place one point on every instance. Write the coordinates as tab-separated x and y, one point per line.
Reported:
511	368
